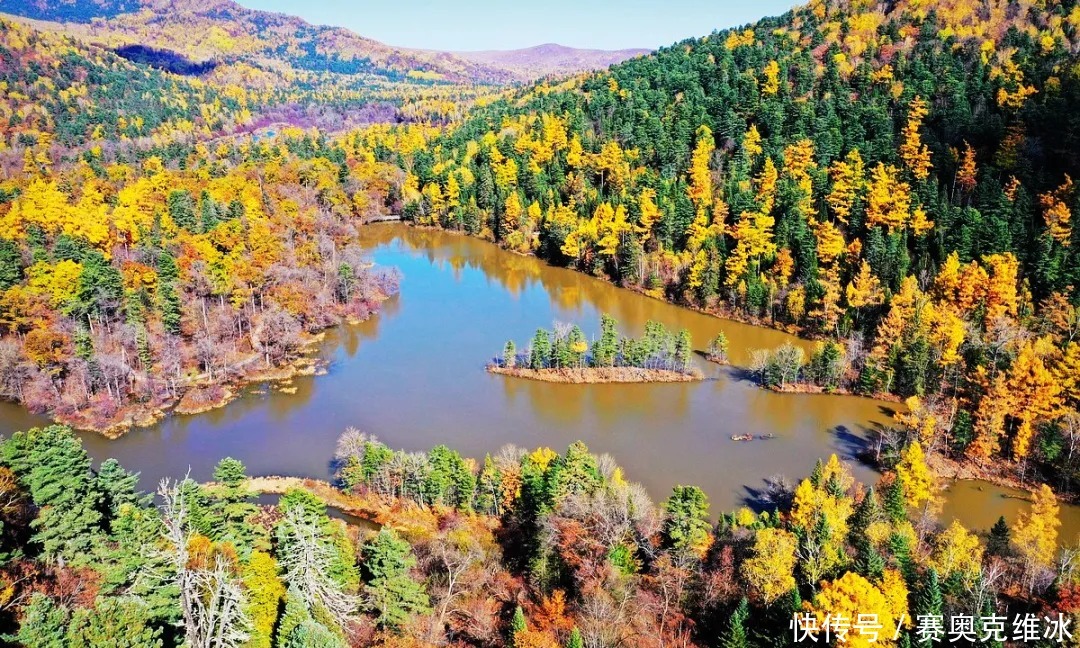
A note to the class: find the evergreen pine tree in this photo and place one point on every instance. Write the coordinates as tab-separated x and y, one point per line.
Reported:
395	596
998	542
575	640
517	624
929	602
735	635
895	506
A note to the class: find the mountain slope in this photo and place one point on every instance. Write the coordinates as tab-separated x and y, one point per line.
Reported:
550	59
893	176
245	42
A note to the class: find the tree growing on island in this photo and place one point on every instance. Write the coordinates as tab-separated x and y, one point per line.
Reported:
718	349
566	347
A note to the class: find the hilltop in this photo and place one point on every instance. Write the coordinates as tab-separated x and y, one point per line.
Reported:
550	59
893	178
245	45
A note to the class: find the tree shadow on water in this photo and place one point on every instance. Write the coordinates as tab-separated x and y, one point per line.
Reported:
775	493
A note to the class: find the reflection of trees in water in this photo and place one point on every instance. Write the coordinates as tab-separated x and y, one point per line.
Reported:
577	295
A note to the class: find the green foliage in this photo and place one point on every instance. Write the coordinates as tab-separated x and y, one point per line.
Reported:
114	623
11	264
182	209
826	366
718	348
565	347
100	289
231	506
517	623
44	624
1000	538
540	350
312	634
928	599
576	472
54	467
449	481
387	560
687	525
736	635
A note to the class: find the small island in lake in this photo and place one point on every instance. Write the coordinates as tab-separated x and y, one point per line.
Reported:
564	355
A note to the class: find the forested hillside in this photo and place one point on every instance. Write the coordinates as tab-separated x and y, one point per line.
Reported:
243	45
895	176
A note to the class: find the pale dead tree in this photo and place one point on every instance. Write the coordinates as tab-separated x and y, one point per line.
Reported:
759	359
606	619
447	560
307	562
621	513
210	597
352	444
1066	564
990	576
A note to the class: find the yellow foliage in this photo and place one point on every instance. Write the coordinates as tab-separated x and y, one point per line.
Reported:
920	485
852	595
957	551
914	153
770	571
1036	531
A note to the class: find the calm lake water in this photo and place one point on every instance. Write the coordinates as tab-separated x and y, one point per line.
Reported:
414	376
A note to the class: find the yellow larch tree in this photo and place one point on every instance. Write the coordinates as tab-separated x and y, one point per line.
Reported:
1001	294
912	150
920	486
700	188
957	551
920	419
512	211
990	416
1056	212
888	200
849	180
1035	533
851	595
771	85
649	213
770	571
752	142
966	174
1035	392
864	289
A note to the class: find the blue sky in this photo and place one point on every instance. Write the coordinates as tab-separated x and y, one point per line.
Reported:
509	24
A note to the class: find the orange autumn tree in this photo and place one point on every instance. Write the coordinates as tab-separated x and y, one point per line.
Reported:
1056	212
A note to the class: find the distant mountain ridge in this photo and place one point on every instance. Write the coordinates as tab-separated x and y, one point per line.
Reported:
550	58
208	33
278	46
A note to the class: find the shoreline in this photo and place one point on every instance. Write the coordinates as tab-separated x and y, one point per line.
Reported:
199	395
953	471
325	492
599	375
809	389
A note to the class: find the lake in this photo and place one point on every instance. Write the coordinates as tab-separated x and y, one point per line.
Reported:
414	376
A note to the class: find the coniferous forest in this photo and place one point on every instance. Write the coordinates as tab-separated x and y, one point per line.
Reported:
183	188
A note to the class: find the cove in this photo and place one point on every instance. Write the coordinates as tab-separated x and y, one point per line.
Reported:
414	376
